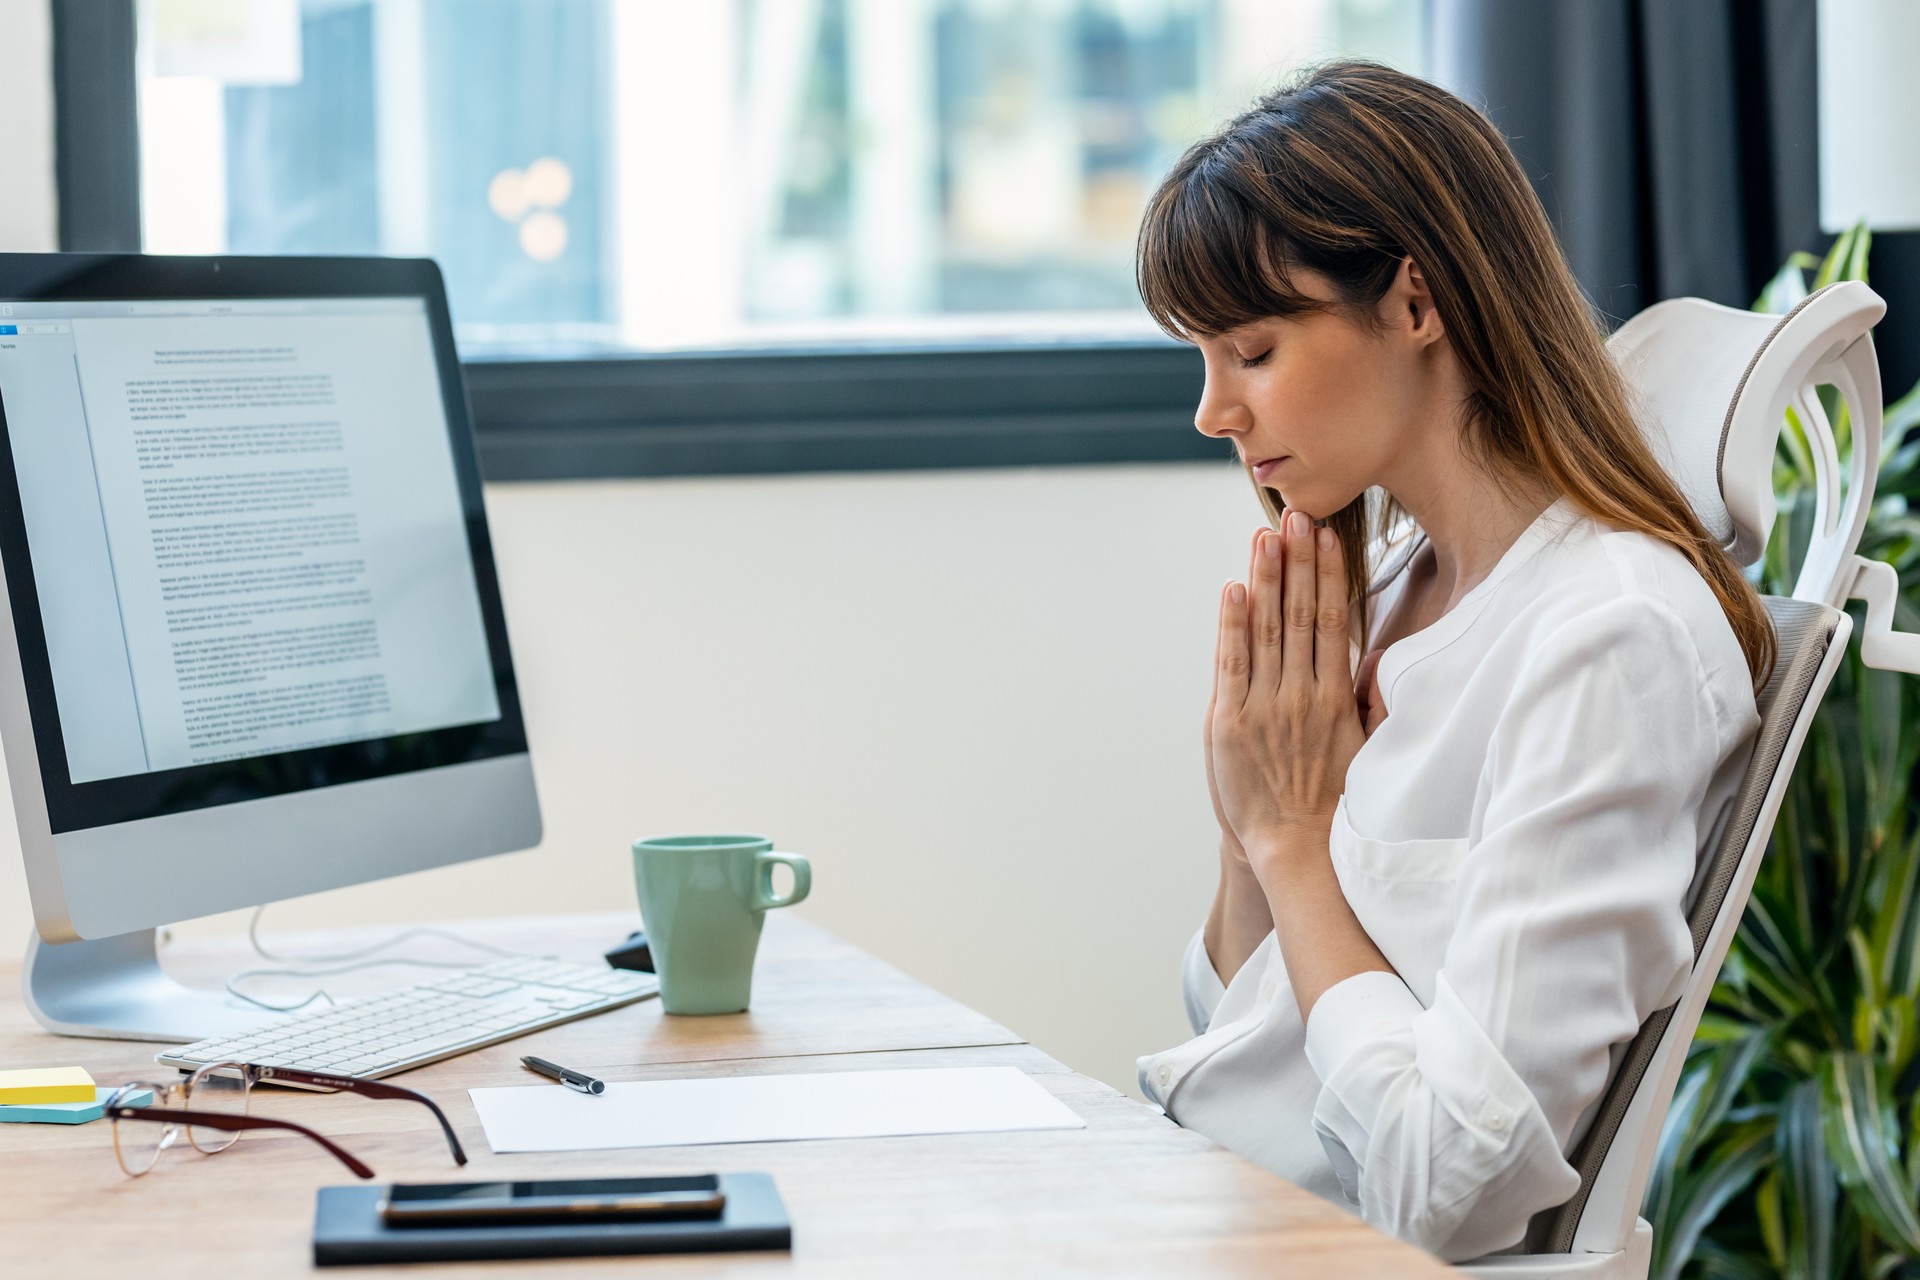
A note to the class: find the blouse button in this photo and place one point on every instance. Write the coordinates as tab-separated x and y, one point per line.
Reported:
1496	1120
1162	1074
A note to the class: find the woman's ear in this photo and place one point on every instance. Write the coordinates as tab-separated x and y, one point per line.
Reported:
1411	299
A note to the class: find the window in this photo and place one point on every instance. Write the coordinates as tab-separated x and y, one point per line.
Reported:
608	175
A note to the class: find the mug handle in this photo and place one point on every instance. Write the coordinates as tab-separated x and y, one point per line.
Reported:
802	880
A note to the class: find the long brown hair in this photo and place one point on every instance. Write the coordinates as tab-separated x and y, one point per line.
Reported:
1350	167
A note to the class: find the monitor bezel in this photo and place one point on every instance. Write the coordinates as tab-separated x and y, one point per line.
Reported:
72	806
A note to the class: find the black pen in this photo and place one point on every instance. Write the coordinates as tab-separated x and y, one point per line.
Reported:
571	1079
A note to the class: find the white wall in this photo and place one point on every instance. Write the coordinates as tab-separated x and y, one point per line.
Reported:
26	140
972	698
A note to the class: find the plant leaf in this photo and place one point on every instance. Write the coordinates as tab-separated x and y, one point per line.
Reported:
1788	285
1897	421
1856	264
1698	1197
1715	1262
1661	1180
1725	1073
1807	1186
1773	1227
1864	1145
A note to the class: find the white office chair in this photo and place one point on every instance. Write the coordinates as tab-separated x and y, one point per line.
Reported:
1712	386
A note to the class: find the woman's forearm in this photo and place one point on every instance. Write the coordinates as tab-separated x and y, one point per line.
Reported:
1322	943
1240	919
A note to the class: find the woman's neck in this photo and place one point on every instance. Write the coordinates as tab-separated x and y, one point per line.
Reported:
1469	517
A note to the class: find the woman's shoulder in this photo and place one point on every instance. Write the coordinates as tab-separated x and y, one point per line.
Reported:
1588	563
1576	564
1643	592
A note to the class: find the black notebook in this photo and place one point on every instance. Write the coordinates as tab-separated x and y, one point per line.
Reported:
347	1231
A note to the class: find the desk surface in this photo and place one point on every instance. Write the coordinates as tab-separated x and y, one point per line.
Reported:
1132	1194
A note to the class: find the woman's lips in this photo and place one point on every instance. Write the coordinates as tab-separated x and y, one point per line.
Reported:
1264	469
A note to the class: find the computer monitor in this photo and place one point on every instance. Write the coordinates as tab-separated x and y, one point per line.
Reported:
251	644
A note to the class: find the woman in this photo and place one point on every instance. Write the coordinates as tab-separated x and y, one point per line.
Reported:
1453	885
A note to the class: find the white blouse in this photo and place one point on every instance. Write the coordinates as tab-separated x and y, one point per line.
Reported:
1520	838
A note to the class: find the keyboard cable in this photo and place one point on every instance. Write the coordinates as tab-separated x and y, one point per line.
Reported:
326	965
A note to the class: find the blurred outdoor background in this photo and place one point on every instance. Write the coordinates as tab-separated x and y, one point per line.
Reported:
726	173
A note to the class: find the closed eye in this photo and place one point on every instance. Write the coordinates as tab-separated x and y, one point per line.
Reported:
1250	362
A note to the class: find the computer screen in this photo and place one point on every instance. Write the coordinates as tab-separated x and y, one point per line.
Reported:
243	540
244	525
252	644
250	636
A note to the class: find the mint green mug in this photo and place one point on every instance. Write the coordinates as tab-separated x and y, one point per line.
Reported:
703	899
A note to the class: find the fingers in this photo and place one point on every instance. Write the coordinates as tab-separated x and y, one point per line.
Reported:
1267	622
1301	597
1213	690
1230	670
1332	646
1219	641
1253	568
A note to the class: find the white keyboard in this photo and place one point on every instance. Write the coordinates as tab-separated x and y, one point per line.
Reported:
412	1026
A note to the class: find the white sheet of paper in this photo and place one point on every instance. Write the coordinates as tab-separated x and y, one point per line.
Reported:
715	1109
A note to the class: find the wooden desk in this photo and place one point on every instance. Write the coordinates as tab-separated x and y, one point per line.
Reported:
1132	1194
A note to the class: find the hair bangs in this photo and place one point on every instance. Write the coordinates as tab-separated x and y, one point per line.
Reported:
1208	262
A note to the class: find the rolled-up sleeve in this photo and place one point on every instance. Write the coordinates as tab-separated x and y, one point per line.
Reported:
1200	985
1446	1123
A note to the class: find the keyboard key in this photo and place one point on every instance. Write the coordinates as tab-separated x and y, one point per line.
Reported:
578	1002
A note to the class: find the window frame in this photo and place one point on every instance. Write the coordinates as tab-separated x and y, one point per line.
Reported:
855	407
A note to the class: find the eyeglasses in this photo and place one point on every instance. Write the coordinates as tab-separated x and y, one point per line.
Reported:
210	1108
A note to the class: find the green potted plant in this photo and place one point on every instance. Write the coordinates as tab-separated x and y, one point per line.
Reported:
1793	1144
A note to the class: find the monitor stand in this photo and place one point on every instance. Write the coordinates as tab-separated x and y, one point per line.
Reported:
114	989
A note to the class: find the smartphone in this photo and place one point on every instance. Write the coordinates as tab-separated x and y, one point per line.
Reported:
439	1204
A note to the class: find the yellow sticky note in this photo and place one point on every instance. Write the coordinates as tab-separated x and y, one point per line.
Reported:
46	1084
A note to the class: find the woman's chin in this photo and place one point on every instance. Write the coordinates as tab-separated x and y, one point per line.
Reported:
1295	501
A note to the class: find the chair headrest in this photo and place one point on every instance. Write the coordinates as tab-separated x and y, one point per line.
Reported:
1711	385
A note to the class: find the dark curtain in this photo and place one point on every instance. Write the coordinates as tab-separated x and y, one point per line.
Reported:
1673	143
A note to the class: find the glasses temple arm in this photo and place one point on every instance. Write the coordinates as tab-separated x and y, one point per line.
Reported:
372	1089
446	1126
219	1120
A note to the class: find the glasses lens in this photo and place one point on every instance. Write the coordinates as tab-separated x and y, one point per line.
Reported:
137	1144
212	1089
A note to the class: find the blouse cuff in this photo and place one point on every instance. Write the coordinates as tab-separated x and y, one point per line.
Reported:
1354	1012
1200	985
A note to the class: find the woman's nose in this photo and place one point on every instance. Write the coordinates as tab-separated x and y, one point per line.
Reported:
1217	415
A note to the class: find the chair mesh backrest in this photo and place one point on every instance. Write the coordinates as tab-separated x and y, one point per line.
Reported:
1805	632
